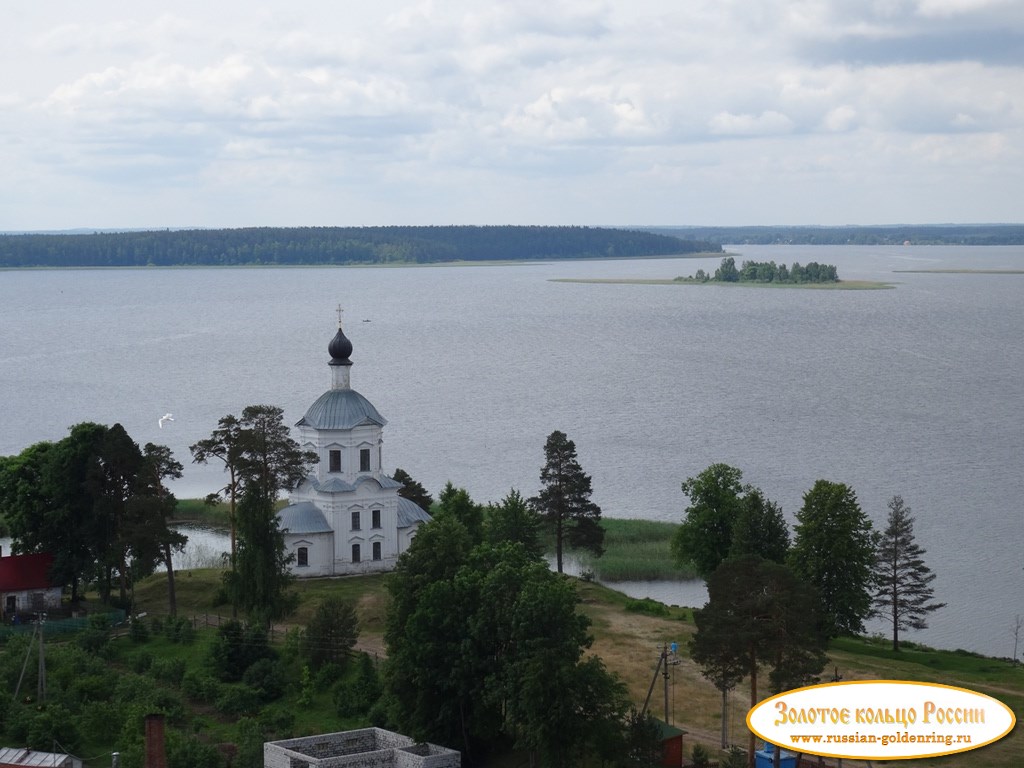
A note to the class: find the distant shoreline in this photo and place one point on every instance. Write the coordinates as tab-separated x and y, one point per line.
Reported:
842	285
963	271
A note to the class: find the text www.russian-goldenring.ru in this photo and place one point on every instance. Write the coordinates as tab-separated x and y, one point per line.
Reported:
948	739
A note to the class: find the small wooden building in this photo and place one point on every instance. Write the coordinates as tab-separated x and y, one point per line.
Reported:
25	585
671	744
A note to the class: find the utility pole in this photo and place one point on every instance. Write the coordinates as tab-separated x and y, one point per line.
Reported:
41	688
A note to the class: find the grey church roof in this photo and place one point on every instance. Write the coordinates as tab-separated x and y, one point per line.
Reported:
304	517
341	409
337	485
410	513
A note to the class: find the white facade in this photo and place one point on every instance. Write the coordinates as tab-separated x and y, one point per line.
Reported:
346	517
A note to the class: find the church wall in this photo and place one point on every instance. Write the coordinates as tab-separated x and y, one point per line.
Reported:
359	490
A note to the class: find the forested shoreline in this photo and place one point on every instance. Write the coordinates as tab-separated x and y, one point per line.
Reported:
288	246
901	234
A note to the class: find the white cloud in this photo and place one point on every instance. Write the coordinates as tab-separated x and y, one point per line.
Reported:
764	124
439	101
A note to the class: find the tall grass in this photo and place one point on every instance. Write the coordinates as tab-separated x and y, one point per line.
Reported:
637	550
199	511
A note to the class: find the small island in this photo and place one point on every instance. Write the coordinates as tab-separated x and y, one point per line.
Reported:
763	273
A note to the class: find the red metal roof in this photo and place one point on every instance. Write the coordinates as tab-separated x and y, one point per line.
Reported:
21	572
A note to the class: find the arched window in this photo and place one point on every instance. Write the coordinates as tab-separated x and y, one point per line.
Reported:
302	557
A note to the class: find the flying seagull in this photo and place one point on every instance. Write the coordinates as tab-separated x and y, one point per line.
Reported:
162	419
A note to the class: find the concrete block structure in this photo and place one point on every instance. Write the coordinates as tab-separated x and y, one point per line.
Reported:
364	748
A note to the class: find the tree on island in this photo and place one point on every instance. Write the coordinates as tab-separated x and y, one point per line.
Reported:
834	551
766	272
904	592
564	500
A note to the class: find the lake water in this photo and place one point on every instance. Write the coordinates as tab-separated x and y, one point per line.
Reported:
915	391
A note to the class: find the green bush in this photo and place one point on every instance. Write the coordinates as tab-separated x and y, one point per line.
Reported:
736	758
357	695
201	686
168	670
266	677
138	632
700	756
189	752
141	662
179	629
238	700
95	638
648	606
236	648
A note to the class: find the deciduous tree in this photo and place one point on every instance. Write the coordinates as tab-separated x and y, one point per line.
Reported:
904	593
457	503
514	520
705	537
564	500
760	528
485	646
93	501
834	551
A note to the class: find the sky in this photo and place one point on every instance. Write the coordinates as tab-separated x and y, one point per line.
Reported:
609	112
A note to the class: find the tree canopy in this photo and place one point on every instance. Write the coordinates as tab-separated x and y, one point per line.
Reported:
758	614
335	245
485	646
514	520
262	460
727	518
834	551
96	502
413	490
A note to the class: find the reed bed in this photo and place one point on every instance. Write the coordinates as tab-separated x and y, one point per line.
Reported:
636	550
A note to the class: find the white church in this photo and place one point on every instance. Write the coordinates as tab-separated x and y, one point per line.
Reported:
347	517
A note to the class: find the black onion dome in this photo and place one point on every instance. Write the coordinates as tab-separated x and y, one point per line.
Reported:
340	349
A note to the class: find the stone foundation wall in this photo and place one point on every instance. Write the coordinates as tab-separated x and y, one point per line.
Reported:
365	748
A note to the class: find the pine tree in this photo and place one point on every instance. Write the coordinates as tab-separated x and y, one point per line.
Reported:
904	593
564	501
413	490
